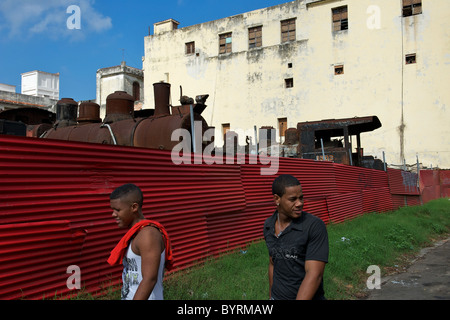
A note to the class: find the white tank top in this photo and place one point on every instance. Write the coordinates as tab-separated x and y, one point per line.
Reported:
132	276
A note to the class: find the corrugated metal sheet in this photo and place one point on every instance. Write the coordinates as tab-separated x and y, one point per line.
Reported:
430	187
377	200
345	206
403	182
45	180
444	180
54	206
352	179
412	201
35	256
319	208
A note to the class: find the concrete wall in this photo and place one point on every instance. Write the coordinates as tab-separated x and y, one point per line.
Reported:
9	100
118	78
247	86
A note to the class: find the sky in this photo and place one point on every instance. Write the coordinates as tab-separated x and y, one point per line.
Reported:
78	37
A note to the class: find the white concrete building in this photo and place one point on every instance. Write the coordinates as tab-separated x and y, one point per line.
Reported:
119	78
40	84
308	60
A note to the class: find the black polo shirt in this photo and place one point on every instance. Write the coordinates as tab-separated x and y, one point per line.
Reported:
306	238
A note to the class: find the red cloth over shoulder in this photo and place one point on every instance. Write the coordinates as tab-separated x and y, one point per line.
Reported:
118	252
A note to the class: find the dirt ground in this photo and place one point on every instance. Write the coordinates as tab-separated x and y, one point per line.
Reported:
427	278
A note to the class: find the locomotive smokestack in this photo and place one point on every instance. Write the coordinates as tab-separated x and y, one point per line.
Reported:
89	113
162	97
119	106
66	112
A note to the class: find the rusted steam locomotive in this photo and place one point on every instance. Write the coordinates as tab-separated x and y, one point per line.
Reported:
124	126
328	140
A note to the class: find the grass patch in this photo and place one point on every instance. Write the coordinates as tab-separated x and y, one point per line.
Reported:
238	275
385	240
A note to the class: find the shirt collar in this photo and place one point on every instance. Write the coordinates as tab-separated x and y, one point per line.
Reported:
295	224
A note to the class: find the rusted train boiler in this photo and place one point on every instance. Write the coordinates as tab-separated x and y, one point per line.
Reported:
122	125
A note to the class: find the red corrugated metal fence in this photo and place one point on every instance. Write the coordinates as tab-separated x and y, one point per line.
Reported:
54	206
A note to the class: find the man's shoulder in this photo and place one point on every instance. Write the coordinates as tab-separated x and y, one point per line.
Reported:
270	219
312	220
149	234
269	223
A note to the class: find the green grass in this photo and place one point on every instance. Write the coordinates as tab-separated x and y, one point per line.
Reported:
387	240
238	275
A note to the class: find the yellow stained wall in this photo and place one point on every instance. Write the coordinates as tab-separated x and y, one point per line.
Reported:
247	86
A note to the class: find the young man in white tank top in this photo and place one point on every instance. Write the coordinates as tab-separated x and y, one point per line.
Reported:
144	259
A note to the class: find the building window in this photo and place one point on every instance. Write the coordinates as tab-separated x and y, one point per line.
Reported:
255	37
412	7
288	30
338	70
136	91
289	83
410	58
340	18
282	127
225	43
225	128
190	47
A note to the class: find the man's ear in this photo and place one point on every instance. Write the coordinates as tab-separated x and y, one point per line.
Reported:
276	199
135	207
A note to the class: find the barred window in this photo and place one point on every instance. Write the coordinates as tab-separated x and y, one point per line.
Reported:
410	58
340	18
289	83
255	37
282	126
338	70
412	7
288	30
225	128
225	43
190	47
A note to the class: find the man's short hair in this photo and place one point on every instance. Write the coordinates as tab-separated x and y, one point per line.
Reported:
282	182
129	190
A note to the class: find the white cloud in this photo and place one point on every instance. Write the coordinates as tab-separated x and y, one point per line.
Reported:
25	18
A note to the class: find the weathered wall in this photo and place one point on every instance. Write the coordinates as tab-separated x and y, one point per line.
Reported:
10	100
117	78
246	86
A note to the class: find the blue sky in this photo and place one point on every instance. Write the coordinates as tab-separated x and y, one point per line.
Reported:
34	35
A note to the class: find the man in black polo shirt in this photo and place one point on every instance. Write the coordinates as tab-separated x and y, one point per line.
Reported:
298	245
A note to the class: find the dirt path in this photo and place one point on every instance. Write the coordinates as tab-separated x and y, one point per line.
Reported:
427	278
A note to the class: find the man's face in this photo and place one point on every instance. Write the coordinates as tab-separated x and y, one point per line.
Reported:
125	212
291	203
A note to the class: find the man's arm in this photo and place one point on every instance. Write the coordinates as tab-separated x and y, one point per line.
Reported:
314	273
270	276
148	244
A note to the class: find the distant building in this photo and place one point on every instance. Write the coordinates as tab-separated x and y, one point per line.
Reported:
7	88
12	100
309	60
119	78
41	84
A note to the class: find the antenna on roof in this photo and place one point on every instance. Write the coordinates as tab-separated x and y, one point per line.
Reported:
123	55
